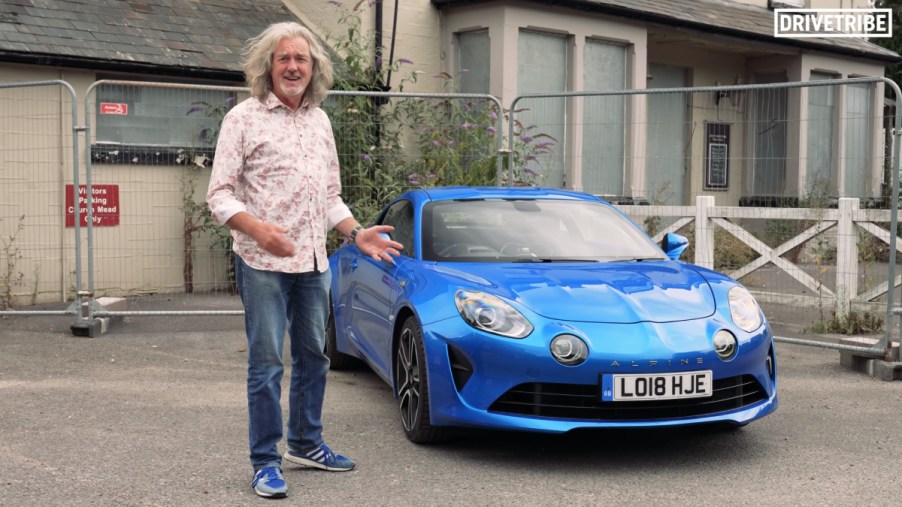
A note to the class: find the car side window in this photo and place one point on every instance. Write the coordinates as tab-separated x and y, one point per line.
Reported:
400	216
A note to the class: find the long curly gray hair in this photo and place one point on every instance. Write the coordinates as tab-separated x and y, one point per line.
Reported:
258	61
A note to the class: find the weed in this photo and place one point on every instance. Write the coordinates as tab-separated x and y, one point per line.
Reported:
10	276
849	323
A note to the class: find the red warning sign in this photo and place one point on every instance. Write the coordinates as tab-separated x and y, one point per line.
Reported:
113	108
104	209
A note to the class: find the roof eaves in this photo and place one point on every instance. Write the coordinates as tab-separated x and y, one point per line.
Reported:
625	10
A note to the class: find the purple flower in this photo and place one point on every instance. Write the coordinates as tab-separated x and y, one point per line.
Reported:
529	170
436	142
378	62
494	115
413	179
490	130
405	60
466	126
230	101
544	144
366	158
526	139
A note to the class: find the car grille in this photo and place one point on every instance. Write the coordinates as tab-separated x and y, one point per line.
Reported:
578	401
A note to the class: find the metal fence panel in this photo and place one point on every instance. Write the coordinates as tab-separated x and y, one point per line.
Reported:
798	149
148	149
152	144
37	143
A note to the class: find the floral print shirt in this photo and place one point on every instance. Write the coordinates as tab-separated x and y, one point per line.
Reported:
280	166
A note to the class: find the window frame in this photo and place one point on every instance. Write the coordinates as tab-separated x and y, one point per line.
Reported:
106	150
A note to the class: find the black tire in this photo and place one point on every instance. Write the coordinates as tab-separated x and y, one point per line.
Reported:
337	360
412	383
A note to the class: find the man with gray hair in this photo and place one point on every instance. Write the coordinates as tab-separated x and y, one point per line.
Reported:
276	185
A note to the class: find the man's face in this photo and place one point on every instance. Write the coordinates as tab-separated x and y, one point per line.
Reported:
292	68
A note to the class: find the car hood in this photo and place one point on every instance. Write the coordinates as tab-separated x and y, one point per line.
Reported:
617	292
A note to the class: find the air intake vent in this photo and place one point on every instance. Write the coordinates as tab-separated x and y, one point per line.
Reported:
577	401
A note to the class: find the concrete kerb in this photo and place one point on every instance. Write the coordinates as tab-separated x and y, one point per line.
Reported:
874	367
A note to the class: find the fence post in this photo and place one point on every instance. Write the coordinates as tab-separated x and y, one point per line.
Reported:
846	256
704	232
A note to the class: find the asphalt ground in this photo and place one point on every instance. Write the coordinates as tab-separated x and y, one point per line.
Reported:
153	413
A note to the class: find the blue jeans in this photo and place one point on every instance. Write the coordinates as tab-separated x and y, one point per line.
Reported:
274	302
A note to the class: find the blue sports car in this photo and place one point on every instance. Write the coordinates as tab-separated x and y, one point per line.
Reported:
545	310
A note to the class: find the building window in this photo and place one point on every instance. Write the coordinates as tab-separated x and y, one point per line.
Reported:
666	137
473	61
603	133
857	163
156	124
542	64
821	118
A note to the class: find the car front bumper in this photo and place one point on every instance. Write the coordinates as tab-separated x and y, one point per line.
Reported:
482	380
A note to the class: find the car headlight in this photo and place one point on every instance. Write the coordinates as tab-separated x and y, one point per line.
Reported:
744	309
489	313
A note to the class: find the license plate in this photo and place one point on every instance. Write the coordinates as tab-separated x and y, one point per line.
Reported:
656	386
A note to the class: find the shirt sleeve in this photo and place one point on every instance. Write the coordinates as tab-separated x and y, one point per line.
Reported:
336	209
227	165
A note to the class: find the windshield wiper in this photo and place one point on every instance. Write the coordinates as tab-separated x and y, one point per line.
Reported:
638	259
555	259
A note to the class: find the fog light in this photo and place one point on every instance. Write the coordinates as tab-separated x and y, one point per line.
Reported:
769	362
725	344
569	350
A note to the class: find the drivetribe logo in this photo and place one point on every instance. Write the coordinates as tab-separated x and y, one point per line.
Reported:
833	23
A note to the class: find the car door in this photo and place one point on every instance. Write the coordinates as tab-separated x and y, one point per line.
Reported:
376	290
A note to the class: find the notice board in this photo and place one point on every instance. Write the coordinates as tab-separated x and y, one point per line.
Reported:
717	156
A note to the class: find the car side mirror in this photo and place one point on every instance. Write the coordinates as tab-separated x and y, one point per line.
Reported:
673	245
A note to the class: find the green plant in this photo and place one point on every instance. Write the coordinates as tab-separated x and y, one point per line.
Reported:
11	276
196	217
659	196
386	146
36	283
849	323
192	222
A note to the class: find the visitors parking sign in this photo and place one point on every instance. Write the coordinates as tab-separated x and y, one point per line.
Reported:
104	209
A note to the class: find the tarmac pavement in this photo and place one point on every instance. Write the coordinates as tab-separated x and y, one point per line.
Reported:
153	412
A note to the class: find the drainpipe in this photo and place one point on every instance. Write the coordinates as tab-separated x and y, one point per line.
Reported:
378	32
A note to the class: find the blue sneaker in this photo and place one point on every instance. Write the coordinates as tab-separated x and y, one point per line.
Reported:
268	482
322	458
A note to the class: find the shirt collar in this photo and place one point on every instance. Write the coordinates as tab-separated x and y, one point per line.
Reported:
273	102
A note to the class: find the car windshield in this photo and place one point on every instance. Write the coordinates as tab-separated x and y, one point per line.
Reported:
531	230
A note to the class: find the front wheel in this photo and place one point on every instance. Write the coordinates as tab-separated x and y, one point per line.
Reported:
412	382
